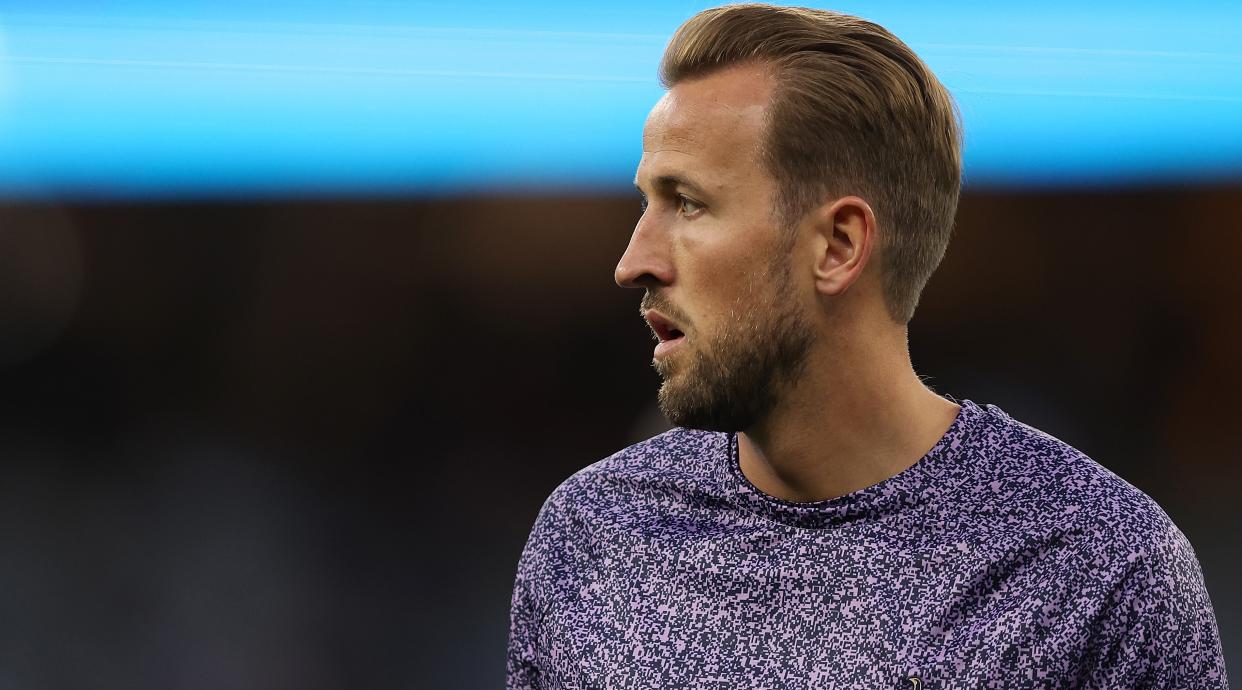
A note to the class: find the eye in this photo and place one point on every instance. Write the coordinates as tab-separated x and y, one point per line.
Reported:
688	207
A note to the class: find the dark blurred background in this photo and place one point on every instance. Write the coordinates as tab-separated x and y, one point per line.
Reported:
300	445
288	364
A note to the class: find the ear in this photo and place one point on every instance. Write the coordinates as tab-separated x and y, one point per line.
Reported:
845	234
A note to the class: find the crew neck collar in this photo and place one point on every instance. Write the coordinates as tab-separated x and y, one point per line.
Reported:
933	474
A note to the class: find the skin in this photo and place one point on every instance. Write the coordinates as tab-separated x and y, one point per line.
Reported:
857	413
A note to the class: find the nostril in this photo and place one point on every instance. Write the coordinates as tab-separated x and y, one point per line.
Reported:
645	280
632	279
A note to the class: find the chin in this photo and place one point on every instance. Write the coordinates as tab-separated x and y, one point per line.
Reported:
694	406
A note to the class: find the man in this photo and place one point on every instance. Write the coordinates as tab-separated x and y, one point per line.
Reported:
820	519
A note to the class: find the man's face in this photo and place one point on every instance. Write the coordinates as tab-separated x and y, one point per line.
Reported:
722	293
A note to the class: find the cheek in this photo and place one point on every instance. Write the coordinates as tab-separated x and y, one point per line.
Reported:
728	303
723	270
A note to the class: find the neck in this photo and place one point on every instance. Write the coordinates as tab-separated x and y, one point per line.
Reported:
858	416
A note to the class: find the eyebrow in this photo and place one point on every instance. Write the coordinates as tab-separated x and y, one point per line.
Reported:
672	182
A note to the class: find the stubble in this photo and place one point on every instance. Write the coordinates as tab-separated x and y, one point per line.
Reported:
733	379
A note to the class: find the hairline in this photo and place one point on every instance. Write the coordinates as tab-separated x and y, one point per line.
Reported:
786	211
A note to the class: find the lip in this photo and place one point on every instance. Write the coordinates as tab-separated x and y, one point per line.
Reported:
666	331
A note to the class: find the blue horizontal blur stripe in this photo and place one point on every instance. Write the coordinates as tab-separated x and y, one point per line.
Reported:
228	99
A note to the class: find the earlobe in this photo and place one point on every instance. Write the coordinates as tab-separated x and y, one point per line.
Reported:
845	237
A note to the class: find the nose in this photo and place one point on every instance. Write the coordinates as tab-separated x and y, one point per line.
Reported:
646	261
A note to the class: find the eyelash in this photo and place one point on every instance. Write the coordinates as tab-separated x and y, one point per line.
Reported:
682	201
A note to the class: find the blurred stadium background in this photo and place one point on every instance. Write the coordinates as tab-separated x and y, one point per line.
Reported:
306	306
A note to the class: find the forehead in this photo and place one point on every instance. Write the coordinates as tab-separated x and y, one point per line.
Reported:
712	125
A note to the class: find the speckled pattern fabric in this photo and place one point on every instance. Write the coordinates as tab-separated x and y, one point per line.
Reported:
1002	559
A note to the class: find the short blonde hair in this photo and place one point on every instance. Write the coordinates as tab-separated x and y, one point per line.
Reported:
854	111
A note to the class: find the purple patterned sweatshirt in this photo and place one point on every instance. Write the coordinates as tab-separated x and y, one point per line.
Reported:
1003	558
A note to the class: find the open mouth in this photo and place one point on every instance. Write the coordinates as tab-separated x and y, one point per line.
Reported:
665	330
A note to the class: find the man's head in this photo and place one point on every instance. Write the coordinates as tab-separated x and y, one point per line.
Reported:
781	123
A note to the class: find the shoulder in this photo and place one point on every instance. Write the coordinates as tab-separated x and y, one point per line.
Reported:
677	460
1074	535
1032	482
1037	483
646	478
675	449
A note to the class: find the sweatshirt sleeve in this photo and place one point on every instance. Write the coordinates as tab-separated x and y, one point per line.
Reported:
549	560
521	668
1158	630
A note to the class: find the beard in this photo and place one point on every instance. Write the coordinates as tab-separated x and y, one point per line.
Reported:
733	379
